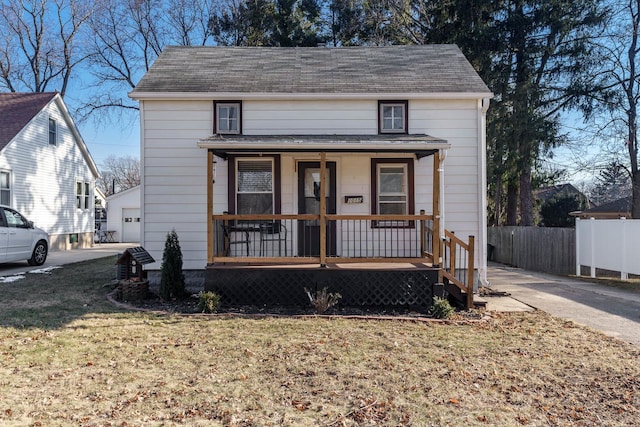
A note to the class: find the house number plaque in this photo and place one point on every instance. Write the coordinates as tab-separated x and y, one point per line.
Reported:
353	199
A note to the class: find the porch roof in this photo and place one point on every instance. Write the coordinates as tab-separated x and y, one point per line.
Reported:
421	145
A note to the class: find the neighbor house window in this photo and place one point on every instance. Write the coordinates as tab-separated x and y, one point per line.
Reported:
392	190
393	117
228	117
254	184
5	188
53	132
82	195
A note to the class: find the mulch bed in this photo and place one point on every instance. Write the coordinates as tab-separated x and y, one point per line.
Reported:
189	305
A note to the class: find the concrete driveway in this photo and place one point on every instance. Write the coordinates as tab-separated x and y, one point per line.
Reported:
58	258
615	312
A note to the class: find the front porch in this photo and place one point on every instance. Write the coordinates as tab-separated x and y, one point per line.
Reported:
271	259
391	260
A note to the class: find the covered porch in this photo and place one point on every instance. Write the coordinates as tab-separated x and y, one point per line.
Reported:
375	259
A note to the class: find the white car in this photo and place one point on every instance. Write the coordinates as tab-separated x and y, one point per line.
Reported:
20	240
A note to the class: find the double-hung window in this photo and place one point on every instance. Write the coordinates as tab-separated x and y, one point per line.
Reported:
392	190
254	186
53	132
228	117
82	195
393	117
5	188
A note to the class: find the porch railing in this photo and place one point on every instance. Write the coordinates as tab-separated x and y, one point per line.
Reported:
458	264
296	238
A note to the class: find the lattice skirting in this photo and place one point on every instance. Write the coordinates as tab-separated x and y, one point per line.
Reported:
359	288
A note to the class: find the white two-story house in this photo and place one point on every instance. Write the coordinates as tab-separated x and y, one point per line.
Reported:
46	170
281	168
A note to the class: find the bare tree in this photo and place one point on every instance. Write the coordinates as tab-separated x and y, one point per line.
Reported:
190	21
618	76
39	48
128	36
118	174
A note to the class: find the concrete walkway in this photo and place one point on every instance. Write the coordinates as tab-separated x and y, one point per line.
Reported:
615	312
57	258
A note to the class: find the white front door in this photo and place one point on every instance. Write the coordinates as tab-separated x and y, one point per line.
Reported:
130	225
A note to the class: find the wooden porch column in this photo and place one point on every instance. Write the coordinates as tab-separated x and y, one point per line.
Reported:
209	207
437	241
323	209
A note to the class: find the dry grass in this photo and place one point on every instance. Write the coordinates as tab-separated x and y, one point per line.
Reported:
68	358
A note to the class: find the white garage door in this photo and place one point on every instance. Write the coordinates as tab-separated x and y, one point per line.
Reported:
130	225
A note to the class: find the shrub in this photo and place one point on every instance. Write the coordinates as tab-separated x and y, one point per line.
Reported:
323	300
208	302
441	308
172	280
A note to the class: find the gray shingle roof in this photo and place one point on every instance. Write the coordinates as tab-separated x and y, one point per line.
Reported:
17	109
385	69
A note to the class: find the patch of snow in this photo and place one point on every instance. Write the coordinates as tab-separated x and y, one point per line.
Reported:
9	279
45	270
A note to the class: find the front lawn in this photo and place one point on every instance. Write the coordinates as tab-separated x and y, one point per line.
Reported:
67	357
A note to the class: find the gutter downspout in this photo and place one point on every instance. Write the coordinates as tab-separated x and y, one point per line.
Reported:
443	157
483	106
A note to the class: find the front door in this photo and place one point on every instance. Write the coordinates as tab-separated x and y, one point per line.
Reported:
309	203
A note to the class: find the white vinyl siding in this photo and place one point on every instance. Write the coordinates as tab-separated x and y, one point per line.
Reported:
44	175
175	169
174	178
310	117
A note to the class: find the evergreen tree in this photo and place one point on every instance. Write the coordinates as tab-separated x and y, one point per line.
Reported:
533	55
172	284
612	183
268	23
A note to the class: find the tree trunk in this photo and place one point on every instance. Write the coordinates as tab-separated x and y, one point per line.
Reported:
526	195
497	201
512	204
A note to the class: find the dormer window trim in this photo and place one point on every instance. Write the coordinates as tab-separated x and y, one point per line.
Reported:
225	121
393	116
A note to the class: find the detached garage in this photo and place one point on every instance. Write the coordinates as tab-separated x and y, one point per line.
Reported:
123	218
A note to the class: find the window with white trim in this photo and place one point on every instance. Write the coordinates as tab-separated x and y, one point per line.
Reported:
228	117
53	132
254	186
5	188
393	116
83	190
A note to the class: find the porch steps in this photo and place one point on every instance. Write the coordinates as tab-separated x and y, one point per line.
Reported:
479	302
460	297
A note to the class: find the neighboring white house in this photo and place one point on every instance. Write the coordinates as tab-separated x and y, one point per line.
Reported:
46	170
123	215
244	130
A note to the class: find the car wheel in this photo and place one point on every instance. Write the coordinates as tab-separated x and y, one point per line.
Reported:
39	255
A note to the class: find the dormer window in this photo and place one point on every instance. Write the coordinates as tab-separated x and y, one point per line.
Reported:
53	132
228	117
393	117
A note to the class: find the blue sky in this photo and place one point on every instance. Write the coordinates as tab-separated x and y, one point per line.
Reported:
111	139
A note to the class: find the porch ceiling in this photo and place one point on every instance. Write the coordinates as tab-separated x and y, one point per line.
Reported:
420	145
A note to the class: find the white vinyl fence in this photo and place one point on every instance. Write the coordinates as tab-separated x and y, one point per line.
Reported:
608	244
